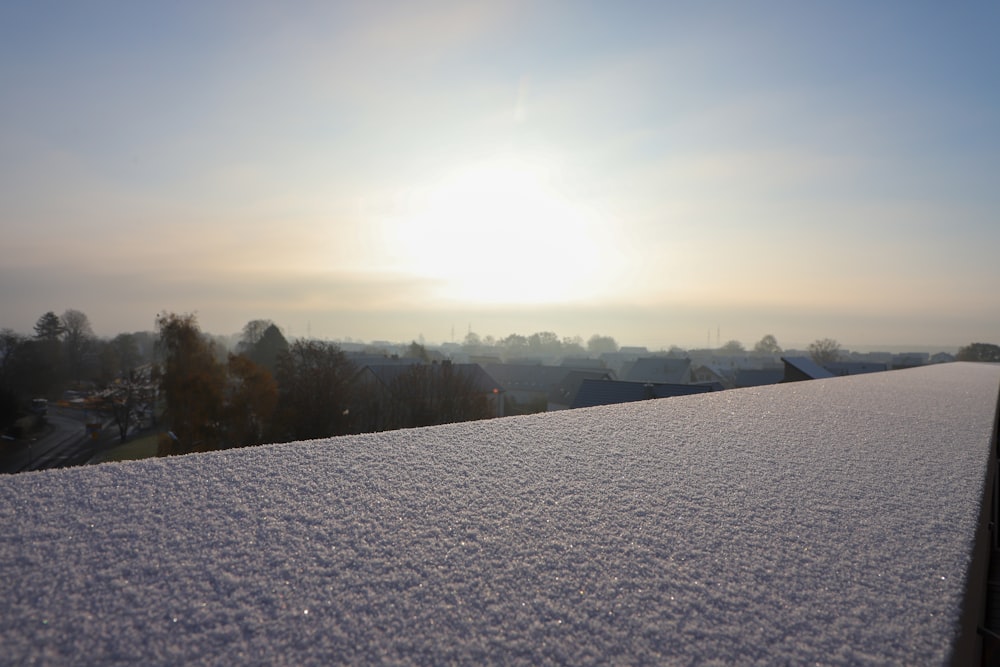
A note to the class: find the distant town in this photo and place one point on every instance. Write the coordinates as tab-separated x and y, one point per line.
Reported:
68	397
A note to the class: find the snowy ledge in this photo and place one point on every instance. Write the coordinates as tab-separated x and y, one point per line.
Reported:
839	521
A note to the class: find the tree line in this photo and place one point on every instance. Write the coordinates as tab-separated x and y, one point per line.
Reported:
207	397
267	389
541	343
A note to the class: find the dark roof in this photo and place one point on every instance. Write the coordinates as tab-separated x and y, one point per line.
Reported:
583	363
658	369
565	392
609	392
527	377
803	368
756	377
387	373
362	359
855	367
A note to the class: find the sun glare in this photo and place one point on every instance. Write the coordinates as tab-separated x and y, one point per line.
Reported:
499	232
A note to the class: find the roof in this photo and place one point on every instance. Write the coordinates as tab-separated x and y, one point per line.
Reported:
803	368
855	367
834	521
583	363
658	369
527	377
607	392
756	377
387	373
565	392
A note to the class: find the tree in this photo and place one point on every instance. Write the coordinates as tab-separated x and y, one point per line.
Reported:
572	346
119	356
514	345
46	352
732	347
598	344
10	342
824	351
416	351
11	348
767	345
425	395
471	343
251	401
268	349
978	352
193	383
544	342
313	397
49	327
129	399
253	332
77	337
26	370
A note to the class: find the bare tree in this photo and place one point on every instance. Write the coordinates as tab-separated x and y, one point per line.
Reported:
767	345
253	332
598	344
129	400
428	394
77	337
267	349
313	396
824	351
732	347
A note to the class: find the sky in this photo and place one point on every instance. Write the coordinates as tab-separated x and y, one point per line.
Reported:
668	173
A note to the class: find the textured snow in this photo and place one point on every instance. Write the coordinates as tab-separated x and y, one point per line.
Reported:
829	521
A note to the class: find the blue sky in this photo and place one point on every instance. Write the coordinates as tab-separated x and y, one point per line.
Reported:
653	171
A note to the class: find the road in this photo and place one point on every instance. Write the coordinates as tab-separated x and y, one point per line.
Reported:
65	444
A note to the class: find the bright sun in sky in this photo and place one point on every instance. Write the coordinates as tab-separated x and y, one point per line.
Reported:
387	169
498	231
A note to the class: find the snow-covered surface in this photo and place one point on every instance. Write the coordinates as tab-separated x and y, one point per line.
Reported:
828	521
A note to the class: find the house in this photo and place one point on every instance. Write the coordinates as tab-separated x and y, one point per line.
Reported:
561	396
528	386
583	363
708	373
616	361
363	358
910	360
803	368
855	367
607	392
758	377
664	370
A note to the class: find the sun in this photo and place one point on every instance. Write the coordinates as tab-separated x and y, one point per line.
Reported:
500	232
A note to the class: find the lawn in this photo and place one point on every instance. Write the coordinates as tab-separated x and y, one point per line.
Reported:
141	448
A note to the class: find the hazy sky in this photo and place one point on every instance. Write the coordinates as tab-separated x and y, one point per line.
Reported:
655	171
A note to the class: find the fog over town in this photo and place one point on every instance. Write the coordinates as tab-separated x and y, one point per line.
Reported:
663	174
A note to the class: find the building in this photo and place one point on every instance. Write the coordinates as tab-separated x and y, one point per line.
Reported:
595	392
803	368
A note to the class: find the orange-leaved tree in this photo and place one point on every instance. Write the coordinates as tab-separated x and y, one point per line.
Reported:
193	385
